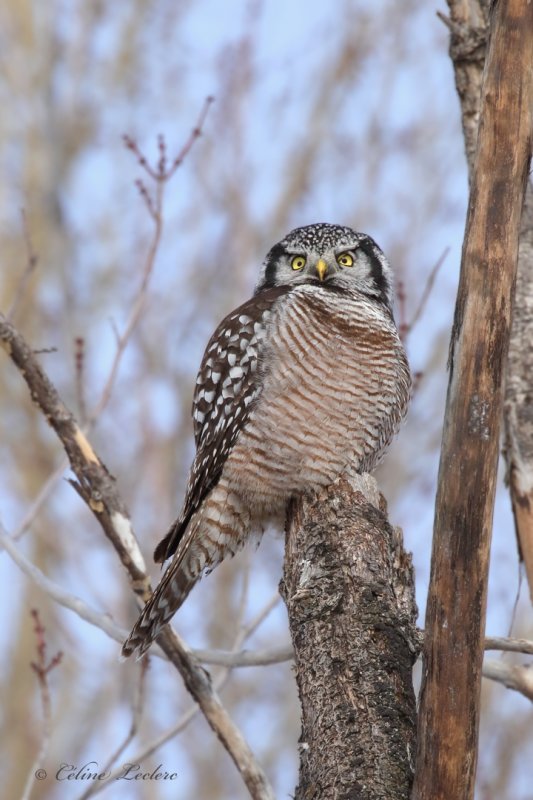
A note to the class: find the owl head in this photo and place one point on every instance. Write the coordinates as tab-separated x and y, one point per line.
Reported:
334	256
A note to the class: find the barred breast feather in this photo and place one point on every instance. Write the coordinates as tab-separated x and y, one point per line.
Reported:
335	387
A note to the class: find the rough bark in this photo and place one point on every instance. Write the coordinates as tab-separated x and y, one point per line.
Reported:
455	618
348	586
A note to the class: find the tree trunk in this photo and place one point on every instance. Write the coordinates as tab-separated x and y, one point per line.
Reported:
467	50
455	618
518	407
348	586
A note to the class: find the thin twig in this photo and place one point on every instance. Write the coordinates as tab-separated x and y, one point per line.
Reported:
247	658
79	366
31	264
138	705
135	313
161	175
43	495
186	718
401	303
225	658
162	172
42	669
428	288
59	595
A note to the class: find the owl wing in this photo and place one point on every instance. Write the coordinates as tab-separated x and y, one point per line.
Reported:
227	387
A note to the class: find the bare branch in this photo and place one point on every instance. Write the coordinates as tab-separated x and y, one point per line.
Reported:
138	704
31	265
43	495
247	658
79	368
136	310
428	288
186	718
162	172
53	590
42	669
223	658
513	676
160	175
510	645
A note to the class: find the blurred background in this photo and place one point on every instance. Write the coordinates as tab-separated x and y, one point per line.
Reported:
347	116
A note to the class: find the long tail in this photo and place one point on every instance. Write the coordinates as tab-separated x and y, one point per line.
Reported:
169	595
217	530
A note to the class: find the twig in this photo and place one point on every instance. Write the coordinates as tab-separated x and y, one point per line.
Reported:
186	718
79	363
138	704
162	172
42	669
31	264
428	288
401	303
405	327
135	313
247	658
513	676
161	175
510	645
223	658
59	595
42	497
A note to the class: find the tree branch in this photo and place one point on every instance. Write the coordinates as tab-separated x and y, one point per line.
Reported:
348	586
513	676
509	645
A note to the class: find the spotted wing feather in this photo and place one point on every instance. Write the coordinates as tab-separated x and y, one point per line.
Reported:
227	387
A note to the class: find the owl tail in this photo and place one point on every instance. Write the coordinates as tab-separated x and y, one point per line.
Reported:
215	531
169	595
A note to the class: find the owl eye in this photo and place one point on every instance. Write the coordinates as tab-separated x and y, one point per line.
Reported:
345	260
298	262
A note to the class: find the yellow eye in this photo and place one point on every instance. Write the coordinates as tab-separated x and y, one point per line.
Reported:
298	262
345	260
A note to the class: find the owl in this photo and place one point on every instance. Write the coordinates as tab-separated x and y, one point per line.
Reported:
305	381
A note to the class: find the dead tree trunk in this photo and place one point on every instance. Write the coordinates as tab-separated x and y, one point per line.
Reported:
455	619
468	26
348	587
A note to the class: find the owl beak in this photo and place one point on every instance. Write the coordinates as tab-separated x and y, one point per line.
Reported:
321	268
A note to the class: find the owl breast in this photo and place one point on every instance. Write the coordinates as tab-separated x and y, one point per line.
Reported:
335	389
